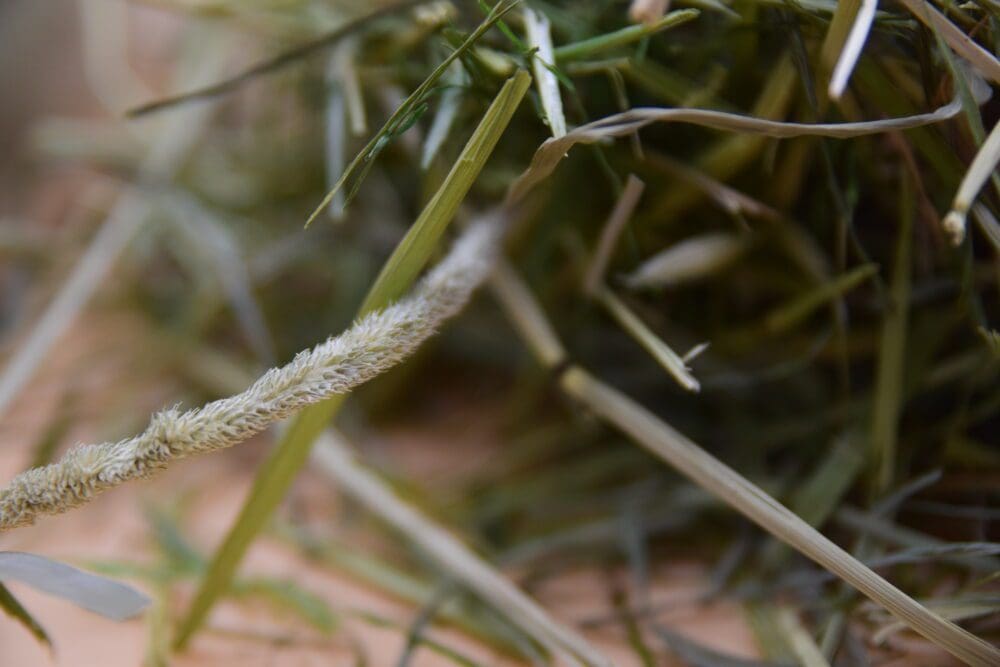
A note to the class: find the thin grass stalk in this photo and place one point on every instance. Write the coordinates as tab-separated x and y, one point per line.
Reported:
689	260
800	642
344	55
415	249
821	493
664	355
982	168
988	225
663	441
789	315
734	202
852	48
619	217
844	16
336	461
588	48
401	585
550	153
275	63
210	240
730	155
104	44
292	451
762	616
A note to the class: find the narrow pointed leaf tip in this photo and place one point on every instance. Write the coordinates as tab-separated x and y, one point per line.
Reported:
405	113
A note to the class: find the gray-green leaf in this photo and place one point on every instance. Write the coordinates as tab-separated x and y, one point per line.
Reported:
100	595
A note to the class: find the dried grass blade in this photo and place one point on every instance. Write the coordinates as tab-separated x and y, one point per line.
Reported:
699	655
540	38
618	218
988	225
336	460
761	508
852	48
683	454
729	199
688	260
210	239
550	153
664	355
960	43
335	128
822	492
731	154
982	168
800	642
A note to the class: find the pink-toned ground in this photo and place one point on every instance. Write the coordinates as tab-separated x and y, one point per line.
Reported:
101	355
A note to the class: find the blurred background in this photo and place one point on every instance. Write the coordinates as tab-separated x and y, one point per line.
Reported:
161	259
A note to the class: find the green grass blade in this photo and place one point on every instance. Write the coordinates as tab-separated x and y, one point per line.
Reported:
588	48
398	119
399	272
787	316
414	250
889	380
13	608
269	488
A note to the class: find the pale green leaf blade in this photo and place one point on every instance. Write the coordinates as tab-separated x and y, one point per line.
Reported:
399	272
